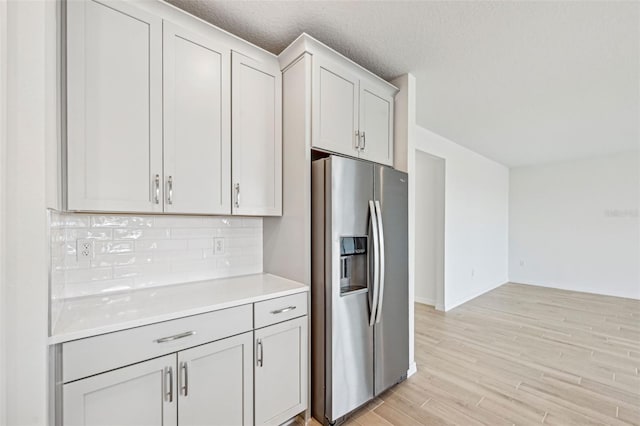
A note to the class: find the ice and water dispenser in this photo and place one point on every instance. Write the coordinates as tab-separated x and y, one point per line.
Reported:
353	264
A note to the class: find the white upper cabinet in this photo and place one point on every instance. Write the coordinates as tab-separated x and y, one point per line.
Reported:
114	107
376	123
197	134
256	92
149	114
351	108
351	115
216	383
141	394
335	109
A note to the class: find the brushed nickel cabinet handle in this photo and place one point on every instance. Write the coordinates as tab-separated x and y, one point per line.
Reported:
237	187
156	182
283	310
356	142
260	353
170	190
175	337
184	368
168	371
364	140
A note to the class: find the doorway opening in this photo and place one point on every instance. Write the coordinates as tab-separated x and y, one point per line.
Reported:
429	228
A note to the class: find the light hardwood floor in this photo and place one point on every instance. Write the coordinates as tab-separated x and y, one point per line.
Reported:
520	355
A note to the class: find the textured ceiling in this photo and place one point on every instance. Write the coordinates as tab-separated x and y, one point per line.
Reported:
519	82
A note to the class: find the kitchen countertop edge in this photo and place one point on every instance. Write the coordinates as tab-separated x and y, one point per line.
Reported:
64	337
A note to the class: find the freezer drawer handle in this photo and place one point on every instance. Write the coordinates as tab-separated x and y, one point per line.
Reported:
175	337
283	310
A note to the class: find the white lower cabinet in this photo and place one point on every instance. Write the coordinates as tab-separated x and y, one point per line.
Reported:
142	394
280	371
212	369
215	383
210	385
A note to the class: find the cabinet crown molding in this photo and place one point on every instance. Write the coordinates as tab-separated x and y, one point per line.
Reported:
306	43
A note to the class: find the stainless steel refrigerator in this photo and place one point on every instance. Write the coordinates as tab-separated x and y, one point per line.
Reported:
360	295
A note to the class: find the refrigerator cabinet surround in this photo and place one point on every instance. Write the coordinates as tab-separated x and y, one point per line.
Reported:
360	331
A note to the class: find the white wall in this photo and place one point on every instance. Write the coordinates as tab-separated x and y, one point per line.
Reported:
429	269
404	160
3	141
31	80
575	225
476	219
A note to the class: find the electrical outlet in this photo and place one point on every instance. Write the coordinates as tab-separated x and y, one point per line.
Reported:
84	251
218	246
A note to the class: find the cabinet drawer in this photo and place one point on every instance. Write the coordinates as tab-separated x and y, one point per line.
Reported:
280	309
93	355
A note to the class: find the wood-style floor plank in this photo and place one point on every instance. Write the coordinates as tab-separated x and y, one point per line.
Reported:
520	355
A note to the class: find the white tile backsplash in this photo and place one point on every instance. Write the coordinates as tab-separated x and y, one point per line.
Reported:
143	251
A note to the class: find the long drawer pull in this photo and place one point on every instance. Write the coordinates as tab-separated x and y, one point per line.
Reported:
175	337
283	310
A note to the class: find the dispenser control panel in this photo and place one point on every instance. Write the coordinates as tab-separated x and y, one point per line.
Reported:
353	264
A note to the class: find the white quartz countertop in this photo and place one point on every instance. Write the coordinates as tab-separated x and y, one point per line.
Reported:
94	315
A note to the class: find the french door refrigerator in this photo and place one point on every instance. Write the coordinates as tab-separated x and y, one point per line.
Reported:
360	295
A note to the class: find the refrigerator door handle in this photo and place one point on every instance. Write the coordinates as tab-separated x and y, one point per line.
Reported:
376	262
381	259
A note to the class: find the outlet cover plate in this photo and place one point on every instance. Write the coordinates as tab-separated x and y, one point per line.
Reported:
84	251
218	246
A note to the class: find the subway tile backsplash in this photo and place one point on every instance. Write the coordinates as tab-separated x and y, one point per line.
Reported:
131	252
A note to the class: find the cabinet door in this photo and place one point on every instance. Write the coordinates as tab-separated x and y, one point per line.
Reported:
197	138
281	371
335	108
114	107
257	137
142	394
376	124
216	383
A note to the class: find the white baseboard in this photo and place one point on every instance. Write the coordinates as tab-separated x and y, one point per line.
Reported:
459	302
576	289
413	369
425	301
